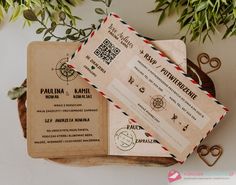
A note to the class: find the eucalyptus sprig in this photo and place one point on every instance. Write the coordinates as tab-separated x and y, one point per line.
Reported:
43	8
16	92
64	22
49	30
200	18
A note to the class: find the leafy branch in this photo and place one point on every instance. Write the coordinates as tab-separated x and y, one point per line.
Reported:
71	31
43	8
64	21
200	18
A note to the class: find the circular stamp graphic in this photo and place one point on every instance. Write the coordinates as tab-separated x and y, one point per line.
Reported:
125	139
158	103
64	72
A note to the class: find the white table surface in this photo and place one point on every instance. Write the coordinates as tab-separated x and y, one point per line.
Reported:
17	168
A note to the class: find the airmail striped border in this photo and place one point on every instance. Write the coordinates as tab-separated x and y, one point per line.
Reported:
178	68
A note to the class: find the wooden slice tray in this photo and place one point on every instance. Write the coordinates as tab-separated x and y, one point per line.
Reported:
193	71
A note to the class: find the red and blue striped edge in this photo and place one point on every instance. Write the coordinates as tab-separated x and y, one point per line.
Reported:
178	68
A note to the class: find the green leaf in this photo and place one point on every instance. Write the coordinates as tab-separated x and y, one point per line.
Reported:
210	3
108	3
16	13
98	1
183	38
100	11
68	31
71	23
78	18
194	36
155	11
16	92
82	32
10	2
40	30
72	37
159	6
73	2
42	15
162	17
224	1
100	20
234	12
47	38
201	6
206	20
30	15
62	16
1	14
228	32
53	24
67	10
204	38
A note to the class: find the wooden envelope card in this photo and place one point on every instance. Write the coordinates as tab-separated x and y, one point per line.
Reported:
147	86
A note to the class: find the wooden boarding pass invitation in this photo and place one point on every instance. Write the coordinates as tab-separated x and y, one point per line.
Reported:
147	87
67	117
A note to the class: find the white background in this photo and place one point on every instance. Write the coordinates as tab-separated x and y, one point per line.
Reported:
17	168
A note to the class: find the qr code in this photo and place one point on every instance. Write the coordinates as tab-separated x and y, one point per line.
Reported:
107	51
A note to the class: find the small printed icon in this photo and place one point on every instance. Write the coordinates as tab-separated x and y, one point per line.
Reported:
125	139
173	176
131	80
158	103
185	127
92	67
64	72
141	52
174	117
142	89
